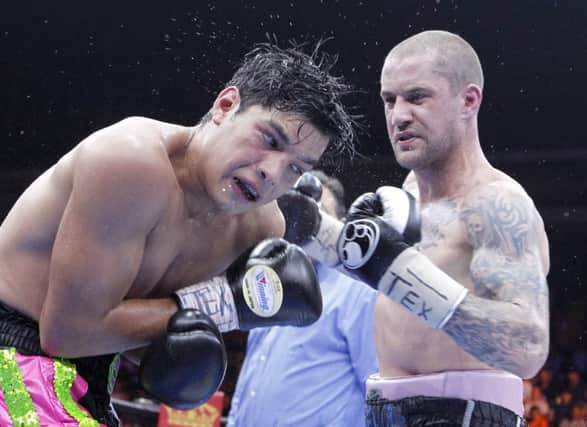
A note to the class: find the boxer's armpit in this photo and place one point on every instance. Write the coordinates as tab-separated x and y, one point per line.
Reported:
504	321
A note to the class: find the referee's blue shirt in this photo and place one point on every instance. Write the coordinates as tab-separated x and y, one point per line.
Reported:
312	376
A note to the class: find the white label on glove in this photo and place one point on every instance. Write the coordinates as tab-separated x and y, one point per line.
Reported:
262	290
422	288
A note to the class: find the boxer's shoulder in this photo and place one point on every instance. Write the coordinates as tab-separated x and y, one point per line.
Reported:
142	124
116	174
127	148
497	189
499	211
140	138
264	222
128	127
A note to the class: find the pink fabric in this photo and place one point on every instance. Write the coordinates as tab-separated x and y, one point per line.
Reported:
497	387
38	374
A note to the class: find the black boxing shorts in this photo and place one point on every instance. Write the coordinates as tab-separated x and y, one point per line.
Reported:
456	398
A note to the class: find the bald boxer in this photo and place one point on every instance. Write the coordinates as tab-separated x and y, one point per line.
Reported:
462	315
95	254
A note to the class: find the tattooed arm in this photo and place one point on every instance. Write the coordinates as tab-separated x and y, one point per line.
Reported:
504	322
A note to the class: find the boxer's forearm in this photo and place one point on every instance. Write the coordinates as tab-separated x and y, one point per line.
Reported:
131	324
501	334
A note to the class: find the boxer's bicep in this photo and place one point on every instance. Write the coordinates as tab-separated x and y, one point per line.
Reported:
505	233
89	273
98	250
504	321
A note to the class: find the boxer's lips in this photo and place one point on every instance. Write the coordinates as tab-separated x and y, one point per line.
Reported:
248	190
405	137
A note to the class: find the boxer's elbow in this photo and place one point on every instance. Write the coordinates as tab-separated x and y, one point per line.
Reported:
534	351
53	345
527	354
60	340
529	366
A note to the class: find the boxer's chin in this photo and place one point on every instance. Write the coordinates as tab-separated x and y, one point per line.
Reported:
235	208
412	159
230	203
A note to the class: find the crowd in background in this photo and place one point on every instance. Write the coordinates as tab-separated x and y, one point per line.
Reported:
557	395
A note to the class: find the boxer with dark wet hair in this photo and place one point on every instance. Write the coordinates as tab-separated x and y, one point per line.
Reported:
459	255
96	254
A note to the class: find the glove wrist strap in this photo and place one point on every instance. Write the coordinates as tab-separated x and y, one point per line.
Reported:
322	246
214	298
423	289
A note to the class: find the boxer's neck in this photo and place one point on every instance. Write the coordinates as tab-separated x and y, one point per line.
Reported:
453	176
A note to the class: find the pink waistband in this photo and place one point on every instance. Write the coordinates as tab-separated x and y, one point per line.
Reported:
497	387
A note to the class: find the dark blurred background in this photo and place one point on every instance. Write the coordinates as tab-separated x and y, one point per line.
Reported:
69	68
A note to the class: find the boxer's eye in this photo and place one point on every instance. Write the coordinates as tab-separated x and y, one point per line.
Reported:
270	140
389	101
297	170
416	97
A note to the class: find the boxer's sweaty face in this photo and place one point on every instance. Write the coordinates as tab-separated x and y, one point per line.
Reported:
260	154
420	110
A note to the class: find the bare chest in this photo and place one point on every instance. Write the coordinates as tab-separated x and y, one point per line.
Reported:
413	347
182	253
444	240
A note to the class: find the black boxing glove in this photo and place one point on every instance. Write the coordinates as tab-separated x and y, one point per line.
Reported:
368	242
274	284
185	366
395	212
300	209
375	245
306	225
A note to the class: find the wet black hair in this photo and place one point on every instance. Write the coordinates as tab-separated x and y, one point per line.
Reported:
290	80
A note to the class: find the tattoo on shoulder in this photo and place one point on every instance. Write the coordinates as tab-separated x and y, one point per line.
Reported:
499	220
504	322
503	231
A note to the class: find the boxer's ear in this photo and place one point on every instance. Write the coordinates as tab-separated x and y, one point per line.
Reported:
472	96
227	101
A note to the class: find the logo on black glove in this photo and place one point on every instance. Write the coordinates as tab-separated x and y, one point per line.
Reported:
262	290
357	242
